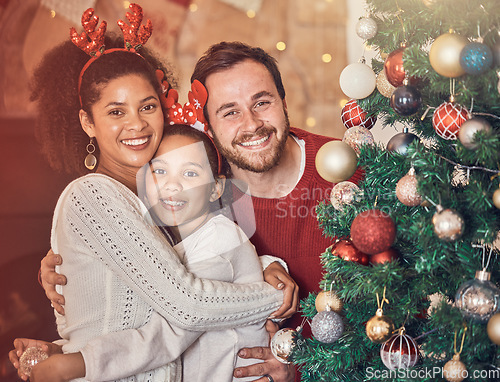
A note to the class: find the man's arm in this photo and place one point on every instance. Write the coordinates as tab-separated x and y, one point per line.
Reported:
50	278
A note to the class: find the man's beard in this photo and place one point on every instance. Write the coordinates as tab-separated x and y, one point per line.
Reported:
256	162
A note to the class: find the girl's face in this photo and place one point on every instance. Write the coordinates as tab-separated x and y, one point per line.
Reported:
180	184
127	123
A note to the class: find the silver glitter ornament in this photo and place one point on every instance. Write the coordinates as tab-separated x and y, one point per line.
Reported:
30	358
366	28
327	326
344	193
478	299
357	136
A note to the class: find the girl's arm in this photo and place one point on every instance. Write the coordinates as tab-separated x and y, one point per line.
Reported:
109	218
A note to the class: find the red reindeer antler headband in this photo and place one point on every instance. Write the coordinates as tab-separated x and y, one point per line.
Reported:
191	113
91	41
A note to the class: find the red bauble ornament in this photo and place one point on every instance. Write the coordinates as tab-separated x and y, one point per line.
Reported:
393	67
346	250
373	231
399	352
353	115
384	257
448	118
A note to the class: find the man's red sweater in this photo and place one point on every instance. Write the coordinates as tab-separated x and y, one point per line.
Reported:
287	227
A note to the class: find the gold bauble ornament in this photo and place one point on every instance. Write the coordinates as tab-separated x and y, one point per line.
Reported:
444	54
383	85
493	328
379	328
328	300
496	198
455	370
336	161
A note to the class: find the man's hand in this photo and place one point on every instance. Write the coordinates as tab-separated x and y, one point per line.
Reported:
50	279
279	372
21	344
278	277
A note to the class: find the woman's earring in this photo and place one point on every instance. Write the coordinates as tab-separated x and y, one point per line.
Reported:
90	159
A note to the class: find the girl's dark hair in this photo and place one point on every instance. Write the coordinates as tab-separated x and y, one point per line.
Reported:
212	153
55	91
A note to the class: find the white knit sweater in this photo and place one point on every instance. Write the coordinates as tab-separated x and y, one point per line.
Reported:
120	269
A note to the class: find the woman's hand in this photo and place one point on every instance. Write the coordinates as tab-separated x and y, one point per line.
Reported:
50	279
21	344
278	277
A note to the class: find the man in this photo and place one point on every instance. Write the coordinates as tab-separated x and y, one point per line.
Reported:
247	114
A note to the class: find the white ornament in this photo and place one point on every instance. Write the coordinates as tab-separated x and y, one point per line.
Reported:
357	80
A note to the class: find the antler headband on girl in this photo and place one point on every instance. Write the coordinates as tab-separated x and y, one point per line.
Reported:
91	41
191	113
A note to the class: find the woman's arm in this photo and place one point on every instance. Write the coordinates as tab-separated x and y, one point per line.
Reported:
109	218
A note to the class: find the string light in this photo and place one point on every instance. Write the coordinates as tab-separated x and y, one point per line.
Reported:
193	7
250	13
326	57
52	13
280	45
311	122
126	4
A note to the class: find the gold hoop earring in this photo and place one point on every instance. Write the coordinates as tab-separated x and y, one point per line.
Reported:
90	159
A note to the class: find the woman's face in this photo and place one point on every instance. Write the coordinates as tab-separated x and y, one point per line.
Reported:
180	184
127	123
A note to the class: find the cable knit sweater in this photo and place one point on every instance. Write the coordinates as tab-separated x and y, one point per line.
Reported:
120	270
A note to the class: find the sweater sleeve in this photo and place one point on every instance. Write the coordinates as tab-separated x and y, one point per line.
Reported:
109	219
128	352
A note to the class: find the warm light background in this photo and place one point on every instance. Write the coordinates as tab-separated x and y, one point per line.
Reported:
313	41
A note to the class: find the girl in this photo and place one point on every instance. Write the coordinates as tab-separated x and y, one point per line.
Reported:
183	185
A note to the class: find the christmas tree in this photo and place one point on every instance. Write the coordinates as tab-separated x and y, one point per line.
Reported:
410	286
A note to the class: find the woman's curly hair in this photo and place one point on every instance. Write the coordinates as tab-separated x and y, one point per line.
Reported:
54	88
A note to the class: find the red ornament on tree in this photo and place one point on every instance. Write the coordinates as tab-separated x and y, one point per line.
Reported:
373	231
384	257
399	352
353	115
346	250
393	67
448	118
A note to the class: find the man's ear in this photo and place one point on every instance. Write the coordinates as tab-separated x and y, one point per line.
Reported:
87	123
218	188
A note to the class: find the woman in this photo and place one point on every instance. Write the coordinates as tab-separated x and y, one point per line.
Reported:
98	226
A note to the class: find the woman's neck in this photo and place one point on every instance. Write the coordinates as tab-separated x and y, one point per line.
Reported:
125	177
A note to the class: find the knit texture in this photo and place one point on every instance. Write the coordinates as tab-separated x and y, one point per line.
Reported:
120	269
